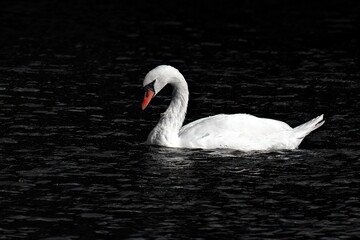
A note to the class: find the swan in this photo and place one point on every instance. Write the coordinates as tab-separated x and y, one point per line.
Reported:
242	132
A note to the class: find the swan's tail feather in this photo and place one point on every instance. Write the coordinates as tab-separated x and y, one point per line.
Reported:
304	129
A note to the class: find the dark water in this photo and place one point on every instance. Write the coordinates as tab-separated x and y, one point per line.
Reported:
72	160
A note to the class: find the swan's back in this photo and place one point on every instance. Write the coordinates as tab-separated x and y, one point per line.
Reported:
237	131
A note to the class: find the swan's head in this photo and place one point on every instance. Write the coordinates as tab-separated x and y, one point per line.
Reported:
157	79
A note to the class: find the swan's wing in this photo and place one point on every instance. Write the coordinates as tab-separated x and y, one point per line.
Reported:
224	131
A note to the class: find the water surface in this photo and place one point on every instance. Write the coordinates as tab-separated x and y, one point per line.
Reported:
73	163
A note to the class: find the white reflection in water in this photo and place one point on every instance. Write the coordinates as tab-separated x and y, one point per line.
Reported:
172	157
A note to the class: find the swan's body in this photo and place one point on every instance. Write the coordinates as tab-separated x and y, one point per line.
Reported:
236	131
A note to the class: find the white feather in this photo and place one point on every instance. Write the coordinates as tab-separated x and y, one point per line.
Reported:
237	131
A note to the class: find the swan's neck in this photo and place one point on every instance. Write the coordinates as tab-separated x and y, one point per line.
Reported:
166	132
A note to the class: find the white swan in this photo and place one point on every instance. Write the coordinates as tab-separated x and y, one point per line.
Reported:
236	131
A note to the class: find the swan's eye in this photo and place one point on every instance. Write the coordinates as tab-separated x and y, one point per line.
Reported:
150	86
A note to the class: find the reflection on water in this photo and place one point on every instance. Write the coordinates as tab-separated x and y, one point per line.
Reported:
171	157
73	163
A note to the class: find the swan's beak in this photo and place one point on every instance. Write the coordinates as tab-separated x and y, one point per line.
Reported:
149	94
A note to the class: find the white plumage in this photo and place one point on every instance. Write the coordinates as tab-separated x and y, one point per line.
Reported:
236	131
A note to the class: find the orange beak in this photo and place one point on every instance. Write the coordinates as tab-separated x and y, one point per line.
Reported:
149	94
